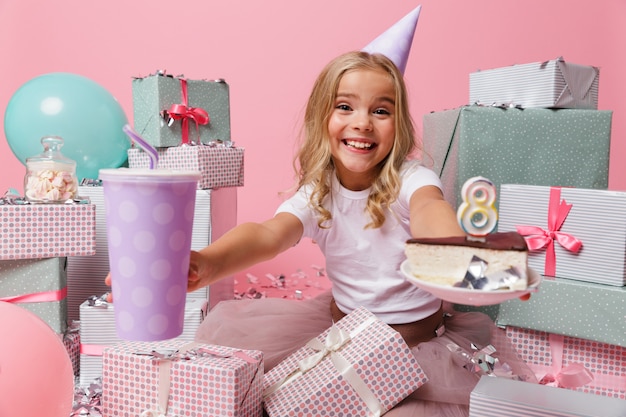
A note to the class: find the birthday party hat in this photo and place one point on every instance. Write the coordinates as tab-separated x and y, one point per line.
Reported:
395	42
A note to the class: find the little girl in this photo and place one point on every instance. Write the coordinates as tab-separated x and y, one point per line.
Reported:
360	196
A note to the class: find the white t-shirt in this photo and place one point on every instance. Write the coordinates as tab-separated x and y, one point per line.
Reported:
364	264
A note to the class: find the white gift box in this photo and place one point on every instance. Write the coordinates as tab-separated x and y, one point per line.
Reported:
549	84
501	397
597	219
97	332
215	213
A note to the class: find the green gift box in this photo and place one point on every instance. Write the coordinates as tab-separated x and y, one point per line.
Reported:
170	111
534	146
38	285
571	308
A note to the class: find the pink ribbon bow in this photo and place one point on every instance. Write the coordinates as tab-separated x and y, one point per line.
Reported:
538	238
573	375
183	112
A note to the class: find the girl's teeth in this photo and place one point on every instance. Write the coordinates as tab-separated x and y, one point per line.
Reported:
359	145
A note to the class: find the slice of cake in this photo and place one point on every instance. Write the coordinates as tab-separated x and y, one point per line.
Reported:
445	261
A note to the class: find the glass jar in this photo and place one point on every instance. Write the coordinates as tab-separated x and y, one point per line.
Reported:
50	176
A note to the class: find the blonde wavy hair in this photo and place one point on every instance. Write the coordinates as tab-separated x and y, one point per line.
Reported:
313	162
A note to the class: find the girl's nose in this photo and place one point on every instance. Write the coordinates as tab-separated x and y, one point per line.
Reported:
362	122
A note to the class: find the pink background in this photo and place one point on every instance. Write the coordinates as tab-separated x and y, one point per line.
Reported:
270	52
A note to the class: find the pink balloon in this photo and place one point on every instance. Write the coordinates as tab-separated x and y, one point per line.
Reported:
36	377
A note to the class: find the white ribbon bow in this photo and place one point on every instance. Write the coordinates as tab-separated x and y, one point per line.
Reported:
335	340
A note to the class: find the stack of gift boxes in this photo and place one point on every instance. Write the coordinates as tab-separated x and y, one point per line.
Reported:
178	377
36	242
535	131
162	106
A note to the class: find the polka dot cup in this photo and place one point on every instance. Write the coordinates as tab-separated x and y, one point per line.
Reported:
149	221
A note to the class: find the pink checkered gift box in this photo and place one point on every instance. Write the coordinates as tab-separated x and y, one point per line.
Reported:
32	231
220	166
181	378
358	367
569	362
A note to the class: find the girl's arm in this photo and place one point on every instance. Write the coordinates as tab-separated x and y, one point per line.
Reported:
431	215
241	247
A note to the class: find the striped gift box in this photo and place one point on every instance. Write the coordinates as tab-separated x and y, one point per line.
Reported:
97	331
215	213
549	84
501	397
597	218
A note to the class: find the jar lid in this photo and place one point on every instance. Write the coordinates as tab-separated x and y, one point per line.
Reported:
51	153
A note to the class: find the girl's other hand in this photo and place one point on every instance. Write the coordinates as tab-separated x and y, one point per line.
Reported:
107	281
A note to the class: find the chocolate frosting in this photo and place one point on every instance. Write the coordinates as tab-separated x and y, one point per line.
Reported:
496	241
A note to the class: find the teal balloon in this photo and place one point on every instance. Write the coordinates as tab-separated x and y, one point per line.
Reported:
76	108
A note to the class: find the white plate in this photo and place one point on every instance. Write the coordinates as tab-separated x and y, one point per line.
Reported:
468	296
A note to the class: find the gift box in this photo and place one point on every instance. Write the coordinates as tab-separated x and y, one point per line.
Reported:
215	213
571	233
549	84
220	166
35	231
97	332
513	146
71	341
360	360
573	363
38	285
572	308
170	111
178	378
497	397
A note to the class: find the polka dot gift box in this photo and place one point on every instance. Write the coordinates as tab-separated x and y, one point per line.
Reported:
170	111
573	308
181	378
34	231
220	166
358	367
565	147
569	362
37	285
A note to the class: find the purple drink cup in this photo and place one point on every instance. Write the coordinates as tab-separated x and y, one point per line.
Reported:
149	220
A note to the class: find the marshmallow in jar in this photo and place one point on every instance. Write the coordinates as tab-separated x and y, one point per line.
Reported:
50	176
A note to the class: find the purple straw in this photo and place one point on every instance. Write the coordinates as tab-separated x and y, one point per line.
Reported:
149	149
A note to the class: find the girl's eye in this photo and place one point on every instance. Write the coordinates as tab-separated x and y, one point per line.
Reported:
343	107
382	111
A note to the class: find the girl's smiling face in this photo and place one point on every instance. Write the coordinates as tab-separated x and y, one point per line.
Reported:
362	126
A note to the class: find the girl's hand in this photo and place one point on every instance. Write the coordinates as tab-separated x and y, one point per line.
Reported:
107	281
194	282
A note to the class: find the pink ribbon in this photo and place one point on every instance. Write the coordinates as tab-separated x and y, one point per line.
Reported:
92	350
183	112
574	375
39	297
538	238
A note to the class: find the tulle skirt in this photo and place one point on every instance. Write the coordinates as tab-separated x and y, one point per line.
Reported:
279	327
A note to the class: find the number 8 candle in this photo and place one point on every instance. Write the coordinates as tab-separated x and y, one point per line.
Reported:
477	214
